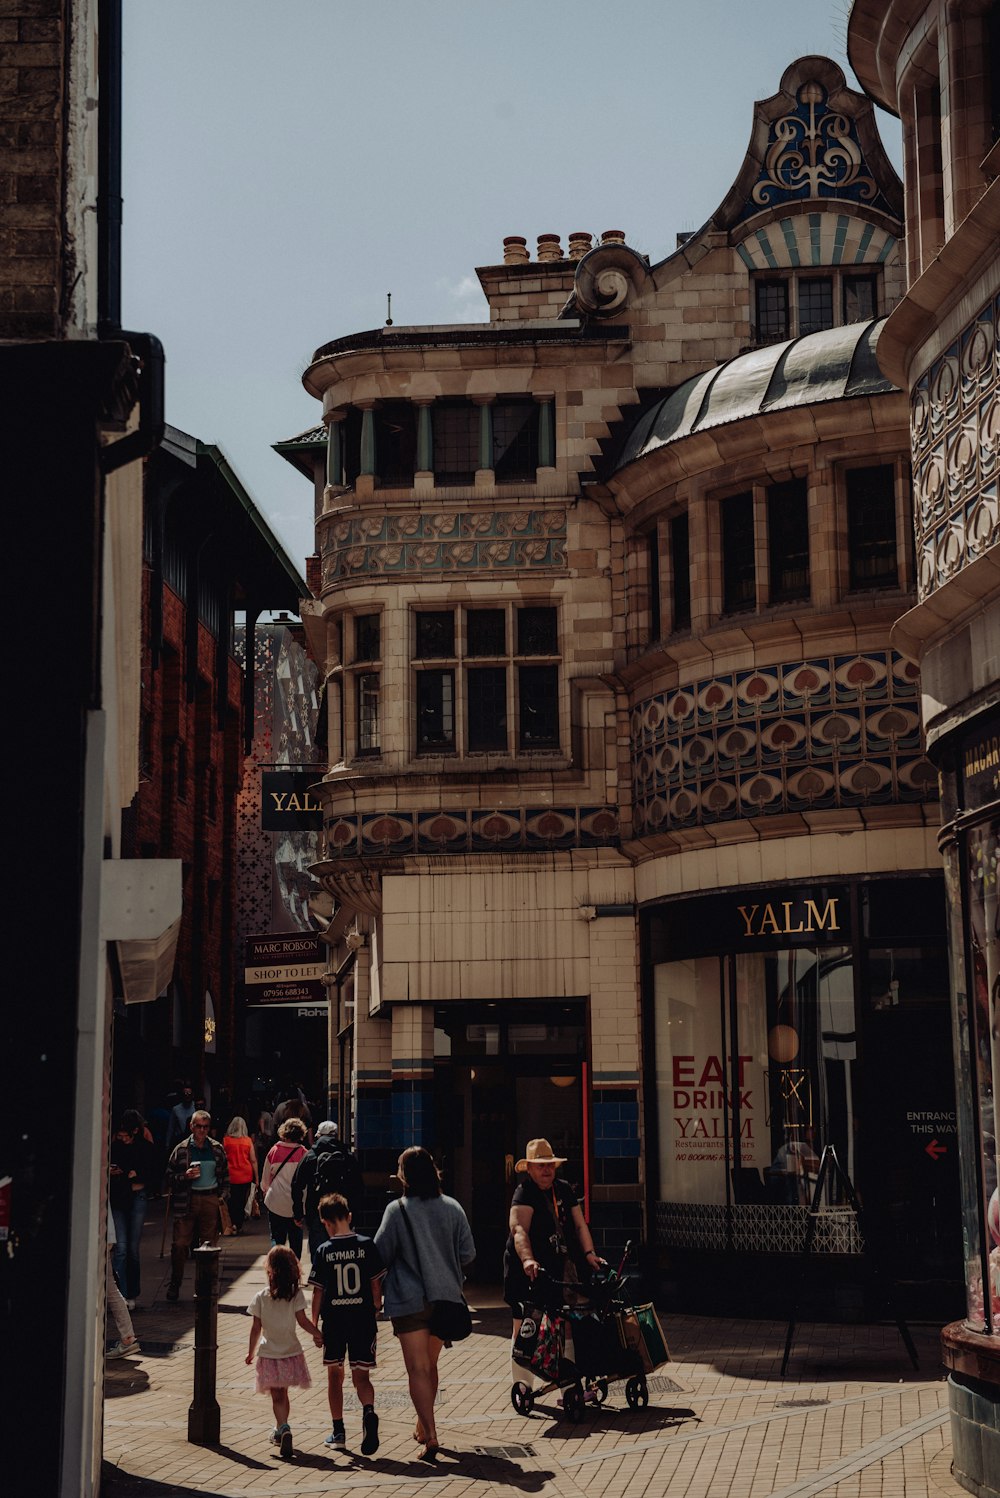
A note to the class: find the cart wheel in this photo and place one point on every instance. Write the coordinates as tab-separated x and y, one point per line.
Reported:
522	1398
573	1403
637	1393
601	1390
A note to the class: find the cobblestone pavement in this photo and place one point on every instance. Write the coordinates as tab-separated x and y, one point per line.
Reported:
851	1419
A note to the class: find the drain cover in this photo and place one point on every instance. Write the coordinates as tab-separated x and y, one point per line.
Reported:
510	1453
800	1404
663	1385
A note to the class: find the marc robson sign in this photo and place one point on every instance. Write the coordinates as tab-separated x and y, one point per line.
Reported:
284	969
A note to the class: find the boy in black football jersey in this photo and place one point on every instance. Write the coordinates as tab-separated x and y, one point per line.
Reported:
346	1274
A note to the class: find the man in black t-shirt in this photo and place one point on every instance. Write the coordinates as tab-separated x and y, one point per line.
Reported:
346	1275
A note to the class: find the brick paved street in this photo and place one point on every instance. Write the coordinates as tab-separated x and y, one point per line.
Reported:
851	1420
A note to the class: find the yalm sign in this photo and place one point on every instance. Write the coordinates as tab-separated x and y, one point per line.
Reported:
284	969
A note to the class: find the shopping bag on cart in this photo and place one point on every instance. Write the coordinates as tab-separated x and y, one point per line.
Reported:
548	1353
526	1341
641	1333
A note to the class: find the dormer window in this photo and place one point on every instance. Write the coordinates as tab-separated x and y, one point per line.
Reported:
796	303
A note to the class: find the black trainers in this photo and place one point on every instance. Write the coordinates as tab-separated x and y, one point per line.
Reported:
285	1443
369	1424
173	1292
337	1437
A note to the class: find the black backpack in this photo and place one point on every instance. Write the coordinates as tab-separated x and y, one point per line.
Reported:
338	1170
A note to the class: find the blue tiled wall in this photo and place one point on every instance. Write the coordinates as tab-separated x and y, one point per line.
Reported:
616	1123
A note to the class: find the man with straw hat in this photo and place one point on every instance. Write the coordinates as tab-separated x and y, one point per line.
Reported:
547	1231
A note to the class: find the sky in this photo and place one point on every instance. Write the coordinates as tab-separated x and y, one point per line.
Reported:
287	163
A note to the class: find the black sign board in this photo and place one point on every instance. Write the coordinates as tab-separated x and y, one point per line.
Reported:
287	805
979	763
753	920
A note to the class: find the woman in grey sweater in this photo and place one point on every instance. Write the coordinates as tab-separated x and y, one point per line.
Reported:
424	1265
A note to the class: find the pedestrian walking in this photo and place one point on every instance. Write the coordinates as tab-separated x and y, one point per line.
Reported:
281	1363
425	1240
181	1113
198	1179
346	1274
241	1158
128	1342
276	1184
328	1168
133	1171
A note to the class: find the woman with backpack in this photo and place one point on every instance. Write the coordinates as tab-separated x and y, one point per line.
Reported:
276	1184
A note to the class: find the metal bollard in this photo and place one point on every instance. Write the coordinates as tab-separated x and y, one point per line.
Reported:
203	1412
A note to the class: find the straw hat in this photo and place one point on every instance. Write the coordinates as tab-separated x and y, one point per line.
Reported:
539	1152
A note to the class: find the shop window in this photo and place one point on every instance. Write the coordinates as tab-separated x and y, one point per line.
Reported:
788	540
739	588
456	441
435	711
871	528
515	440
479	687
680	571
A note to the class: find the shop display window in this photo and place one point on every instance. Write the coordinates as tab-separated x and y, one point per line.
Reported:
980	1041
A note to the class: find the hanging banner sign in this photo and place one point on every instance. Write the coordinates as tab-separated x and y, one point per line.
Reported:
284	969
287	803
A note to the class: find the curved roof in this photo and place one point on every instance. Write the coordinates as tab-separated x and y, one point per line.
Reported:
833	365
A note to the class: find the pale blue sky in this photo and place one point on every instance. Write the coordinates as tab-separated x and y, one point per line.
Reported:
288	162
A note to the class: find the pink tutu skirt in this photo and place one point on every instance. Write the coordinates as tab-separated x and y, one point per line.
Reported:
282	1373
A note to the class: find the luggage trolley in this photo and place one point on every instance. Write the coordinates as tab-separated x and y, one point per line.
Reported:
613	1339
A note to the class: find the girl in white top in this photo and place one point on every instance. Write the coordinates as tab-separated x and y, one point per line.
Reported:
281	1363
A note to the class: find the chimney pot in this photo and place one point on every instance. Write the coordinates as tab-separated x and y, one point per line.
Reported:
549	247
515	250
613	236
579	244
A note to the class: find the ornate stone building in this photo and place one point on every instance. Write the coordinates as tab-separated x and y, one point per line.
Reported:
628	815
938	67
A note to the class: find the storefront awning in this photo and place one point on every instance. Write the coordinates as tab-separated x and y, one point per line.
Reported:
141	914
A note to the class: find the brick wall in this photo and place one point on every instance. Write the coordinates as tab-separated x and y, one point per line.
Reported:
32	91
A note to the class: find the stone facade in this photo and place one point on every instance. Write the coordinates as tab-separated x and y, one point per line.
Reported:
936	64
549	713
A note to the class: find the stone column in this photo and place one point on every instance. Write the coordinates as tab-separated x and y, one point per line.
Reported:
484	472
546	431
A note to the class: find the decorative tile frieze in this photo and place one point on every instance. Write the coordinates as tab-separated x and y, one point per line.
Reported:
373	546
754	1228
836	731
955	441
427	833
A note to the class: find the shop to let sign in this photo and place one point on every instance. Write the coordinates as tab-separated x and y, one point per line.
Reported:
284	969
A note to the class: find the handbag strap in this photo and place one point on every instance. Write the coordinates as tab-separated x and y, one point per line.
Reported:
284	1162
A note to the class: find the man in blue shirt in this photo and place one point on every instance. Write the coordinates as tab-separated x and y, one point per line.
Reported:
198	1178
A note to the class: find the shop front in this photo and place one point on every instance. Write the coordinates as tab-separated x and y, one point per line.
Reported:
504	1075
970	837
782	1020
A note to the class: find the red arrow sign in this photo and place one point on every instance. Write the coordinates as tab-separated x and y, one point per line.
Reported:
936	1150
